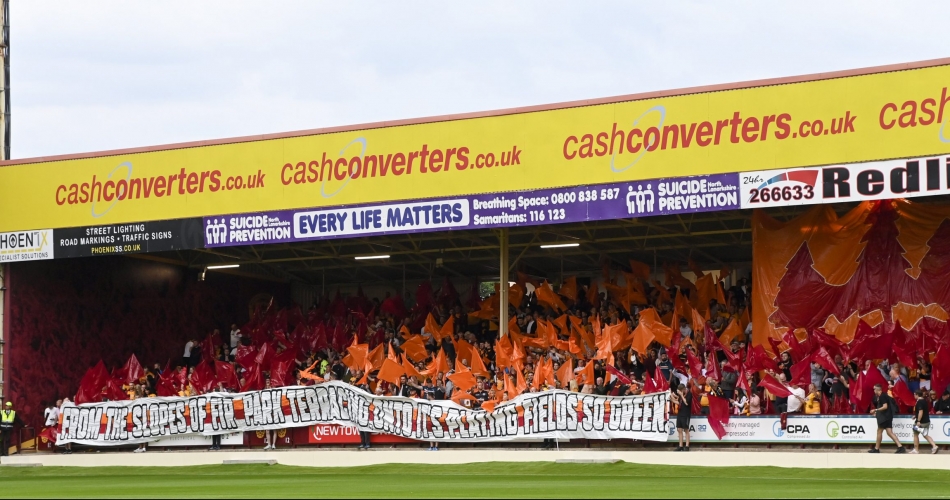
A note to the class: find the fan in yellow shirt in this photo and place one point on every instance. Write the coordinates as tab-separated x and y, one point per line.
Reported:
812	401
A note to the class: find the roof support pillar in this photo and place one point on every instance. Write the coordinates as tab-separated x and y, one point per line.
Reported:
503	282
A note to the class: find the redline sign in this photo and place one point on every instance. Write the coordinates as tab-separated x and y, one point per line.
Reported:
880	180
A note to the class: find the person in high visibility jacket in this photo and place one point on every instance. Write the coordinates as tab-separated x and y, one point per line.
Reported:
8	420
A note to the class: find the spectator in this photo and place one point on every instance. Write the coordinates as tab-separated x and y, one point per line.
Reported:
684	412
270	435
813	401
922	423
942	406
796	400
187	358
755	403
884	409
729	380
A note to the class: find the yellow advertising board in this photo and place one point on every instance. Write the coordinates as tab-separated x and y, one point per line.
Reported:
858	118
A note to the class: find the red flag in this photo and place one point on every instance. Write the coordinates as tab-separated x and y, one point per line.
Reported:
774	386
941	369
203	377
649	387
91	384
224	373
620	376
131	372
903	394
661	383
718	415
253	379
696	366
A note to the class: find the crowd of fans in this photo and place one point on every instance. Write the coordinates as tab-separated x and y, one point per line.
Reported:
637	337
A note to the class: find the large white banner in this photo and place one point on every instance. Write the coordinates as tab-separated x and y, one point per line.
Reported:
838	429
879	180
550	414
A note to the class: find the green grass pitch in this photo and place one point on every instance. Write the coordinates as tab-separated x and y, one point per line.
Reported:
484	480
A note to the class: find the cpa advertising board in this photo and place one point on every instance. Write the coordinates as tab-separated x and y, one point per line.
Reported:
840	429
839	120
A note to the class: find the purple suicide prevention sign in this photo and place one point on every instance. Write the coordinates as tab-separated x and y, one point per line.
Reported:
622	200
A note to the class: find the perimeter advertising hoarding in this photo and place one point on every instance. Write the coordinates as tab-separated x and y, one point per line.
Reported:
879	180
847	119
118	239
802	429
578	204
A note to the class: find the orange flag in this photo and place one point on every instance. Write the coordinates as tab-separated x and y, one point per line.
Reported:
520	384
561	322
459	397
438	365
462	378
681	305
640	270
587	374
516	295
744	318
569	288
547	373
593	295
642	337
732	331
536	379
463	351
546	296
375	357
391	371
619	339
509	387
664	293
566	373
523	278
699	323
724	272
358	352
404	331
415	348
478	366
410	369
440	332
503	353
720	295
662	333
